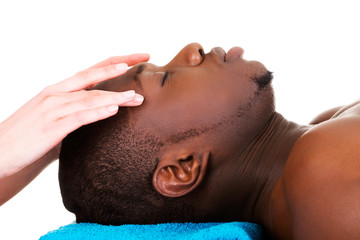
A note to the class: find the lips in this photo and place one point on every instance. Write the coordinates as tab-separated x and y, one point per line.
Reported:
219	52
233	53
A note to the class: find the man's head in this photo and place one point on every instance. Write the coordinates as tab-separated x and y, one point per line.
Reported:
169	159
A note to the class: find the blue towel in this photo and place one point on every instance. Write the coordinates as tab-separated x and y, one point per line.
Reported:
178	231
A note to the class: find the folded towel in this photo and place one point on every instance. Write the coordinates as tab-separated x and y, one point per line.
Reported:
178	231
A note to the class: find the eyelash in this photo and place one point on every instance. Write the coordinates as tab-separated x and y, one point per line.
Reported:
164	78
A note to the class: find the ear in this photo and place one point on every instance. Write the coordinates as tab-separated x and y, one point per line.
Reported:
179	173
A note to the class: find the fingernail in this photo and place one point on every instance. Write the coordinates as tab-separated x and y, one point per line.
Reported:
129	94
121	66
113	108
138	98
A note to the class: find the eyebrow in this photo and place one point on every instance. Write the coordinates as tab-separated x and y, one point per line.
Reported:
139	70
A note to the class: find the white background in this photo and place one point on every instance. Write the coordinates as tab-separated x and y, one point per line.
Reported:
312	47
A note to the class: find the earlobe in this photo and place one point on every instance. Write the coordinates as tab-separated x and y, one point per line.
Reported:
177	175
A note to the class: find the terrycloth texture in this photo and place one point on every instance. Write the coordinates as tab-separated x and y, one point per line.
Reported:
178	231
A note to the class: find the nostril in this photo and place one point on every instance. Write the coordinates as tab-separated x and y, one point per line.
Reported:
201	52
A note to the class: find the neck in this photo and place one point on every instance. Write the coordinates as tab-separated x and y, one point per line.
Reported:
266	157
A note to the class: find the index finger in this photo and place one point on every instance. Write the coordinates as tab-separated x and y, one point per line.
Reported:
130	60
89	77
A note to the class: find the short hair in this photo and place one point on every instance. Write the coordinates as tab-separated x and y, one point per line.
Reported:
105	175
106	169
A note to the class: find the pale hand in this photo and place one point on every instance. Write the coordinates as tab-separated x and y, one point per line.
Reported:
36	130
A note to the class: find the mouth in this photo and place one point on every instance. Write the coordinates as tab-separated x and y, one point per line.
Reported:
233	53
220	53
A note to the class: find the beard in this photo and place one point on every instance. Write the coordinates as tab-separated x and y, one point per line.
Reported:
263	80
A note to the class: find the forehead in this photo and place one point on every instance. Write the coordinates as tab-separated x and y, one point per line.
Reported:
138	70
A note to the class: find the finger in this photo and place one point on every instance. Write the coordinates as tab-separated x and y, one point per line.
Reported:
73	121
129	60
85	100
89	77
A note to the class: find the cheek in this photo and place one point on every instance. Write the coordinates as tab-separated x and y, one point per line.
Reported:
174	115
196	103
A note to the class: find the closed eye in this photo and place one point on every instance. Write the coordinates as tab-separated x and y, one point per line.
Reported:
164	78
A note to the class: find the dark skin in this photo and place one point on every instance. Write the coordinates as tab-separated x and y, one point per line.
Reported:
299	182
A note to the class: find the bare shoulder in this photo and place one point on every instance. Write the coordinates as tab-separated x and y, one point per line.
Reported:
336	112
322	179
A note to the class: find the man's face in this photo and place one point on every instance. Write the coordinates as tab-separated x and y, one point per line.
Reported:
193	89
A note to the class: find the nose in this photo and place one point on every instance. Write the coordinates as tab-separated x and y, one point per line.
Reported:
191	55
